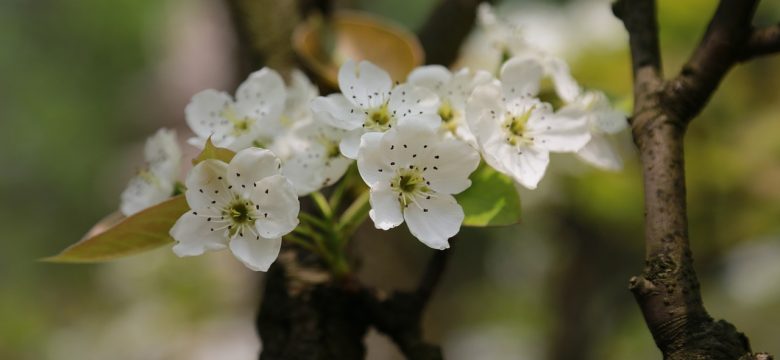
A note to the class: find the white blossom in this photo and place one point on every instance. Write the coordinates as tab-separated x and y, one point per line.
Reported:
453	91
510	41
515	131
236	124
368	102
316	161
603	121
245	205
277	133
156	182
413	172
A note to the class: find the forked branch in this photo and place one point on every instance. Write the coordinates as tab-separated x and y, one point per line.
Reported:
668	290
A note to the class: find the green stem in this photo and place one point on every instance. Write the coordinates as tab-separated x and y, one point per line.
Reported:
302	243
322	204
315	221
338	192
354	216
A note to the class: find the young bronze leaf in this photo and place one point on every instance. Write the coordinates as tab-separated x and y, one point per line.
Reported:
492	199
210	151
117	236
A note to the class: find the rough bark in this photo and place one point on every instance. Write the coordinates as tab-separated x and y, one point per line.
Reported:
668	291
305	314
302	320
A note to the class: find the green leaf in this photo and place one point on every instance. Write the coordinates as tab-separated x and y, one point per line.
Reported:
117	236
210	151
492	199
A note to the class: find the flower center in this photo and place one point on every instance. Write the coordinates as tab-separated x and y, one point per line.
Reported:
379	119
516	127
148	177
408	183
262	142
332	149
447	114
239	213
241	125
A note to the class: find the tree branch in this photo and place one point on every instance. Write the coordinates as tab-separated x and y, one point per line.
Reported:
446	28
762	41
400	315
668	290
719	49
639	18
305	315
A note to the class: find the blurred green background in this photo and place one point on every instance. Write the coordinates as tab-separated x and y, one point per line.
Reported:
82	83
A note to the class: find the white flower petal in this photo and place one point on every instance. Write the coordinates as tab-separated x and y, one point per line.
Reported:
385	207
313	165
610	121
335	169
256	254
414	104
196	142
304	168
450	164
143	192
194	235
205	183
204	114
364	84
462	85
372	163
559	133
163	154
261	96
276	206
565	85
336	111
484	111
521	77
350	144
300	93
599	152
524	164
409	144
433	221
432	77
250	166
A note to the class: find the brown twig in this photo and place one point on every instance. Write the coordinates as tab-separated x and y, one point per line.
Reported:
668	290
762	41
718	51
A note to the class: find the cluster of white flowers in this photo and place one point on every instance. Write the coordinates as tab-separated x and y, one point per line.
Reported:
416	145
601	119
157	181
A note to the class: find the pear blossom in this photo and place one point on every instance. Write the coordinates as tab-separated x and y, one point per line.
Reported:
413	174
510	41
236	123
516	131
453	91
368	102
603	121
316	161
246	205
502	35
276	133
156	182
